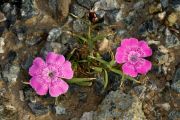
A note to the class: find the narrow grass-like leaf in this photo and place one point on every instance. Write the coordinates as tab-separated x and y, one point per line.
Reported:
84	83
105	79
97	69
78	80
71	53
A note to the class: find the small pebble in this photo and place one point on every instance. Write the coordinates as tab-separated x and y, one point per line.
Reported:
172	18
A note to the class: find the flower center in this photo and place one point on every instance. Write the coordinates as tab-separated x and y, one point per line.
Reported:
133	57
51	74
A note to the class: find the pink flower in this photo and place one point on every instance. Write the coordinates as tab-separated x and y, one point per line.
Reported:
49	75
131	53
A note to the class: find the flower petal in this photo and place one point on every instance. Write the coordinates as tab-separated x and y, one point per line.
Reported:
53	58
39	85
146	50
143	66
130	42
66	71
121	55
37	67
58	87
129	69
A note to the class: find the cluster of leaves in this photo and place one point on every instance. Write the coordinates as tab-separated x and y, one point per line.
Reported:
92	57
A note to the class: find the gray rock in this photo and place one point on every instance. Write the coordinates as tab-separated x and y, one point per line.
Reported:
79	26
53	47
11	73
100	13
68	41
149	26
140	91
78	10
164	3
27	63
113	16
176	81
10	12
106	5
171	40
53	4
176	5
27	9
38	109
174	115
6	7
60	110
35	39
54	34
139	5
120	106
87	116
121	32
130	19
87	3
2	43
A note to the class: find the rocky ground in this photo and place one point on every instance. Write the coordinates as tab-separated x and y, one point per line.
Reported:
31	28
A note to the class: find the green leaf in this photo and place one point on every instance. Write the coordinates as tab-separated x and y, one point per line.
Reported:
116	71
78	80
97	69
112	63
98	37
100	60
84	83
105	78
83	61
82	38
71	53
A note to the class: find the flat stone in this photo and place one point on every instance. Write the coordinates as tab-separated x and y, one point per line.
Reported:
171	40
60	110
119	105
27	63
58	9
78	10
38	109
53	47
54	34
79	26
113	16
176	5
11	73
176	81
27	9
87	116
106	5
164	3
139	5
87	3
